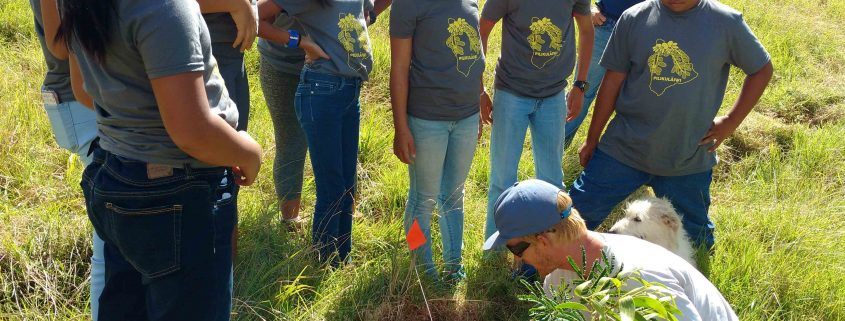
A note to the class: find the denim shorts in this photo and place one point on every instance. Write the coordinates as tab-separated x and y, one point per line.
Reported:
74	125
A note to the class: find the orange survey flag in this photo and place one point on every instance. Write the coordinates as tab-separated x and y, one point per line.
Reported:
415	236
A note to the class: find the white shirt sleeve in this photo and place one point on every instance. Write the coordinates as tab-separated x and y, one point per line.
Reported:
673	287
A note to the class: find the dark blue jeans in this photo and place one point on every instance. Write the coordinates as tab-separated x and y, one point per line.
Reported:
168	252
606	182
328	109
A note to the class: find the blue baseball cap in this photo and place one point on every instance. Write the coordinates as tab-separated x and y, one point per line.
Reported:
526	208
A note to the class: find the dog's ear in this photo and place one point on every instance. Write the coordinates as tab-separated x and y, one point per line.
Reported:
670	220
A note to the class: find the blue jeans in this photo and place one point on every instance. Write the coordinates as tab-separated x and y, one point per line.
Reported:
230	62
167	240
594	76
605	182
437	175
512	116
75	127
328	109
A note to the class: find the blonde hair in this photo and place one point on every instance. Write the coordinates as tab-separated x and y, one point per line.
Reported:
568	229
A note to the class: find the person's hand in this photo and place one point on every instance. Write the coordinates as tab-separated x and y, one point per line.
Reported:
245	174
246	21
722	128
585	153
486	106
598	18
312	50
403	145
574	103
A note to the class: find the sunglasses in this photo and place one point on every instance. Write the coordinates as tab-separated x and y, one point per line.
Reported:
518	248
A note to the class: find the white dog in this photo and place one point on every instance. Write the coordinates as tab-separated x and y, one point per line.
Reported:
655	220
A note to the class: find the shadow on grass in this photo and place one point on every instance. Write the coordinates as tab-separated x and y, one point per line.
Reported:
277	278
486	294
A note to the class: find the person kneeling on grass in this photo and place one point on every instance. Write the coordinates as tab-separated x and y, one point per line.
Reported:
536	222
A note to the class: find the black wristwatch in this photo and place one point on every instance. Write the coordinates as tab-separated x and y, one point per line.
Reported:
583	85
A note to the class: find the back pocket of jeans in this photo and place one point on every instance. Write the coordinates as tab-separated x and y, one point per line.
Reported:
61	122
148	238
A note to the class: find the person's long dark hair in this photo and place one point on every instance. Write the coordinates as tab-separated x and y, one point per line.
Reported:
324	3
89	22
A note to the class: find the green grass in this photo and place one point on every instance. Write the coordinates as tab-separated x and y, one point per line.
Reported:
778	198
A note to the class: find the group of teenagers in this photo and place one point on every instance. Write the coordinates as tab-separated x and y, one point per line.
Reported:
153	96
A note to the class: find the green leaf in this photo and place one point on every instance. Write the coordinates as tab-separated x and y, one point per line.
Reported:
571	306
627	309
575	267
652	304
581	289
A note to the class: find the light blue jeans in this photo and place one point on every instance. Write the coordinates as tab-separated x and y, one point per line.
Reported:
75	127
443	159
512	116
594	76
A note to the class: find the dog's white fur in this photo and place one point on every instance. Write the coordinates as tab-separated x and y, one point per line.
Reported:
655	220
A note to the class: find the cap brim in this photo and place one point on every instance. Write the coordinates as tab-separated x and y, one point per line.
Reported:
494	241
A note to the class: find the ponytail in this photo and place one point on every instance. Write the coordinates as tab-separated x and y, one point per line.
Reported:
89	22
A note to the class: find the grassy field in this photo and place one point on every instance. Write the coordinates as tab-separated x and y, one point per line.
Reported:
778	198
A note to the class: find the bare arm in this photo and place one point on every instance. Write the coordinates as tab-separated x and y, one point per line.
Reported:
486	104
51	20
575	100
267	12
400	64
486	27
605	105
77	83
214	6
585	45
242	13
381	5
752	89
184	108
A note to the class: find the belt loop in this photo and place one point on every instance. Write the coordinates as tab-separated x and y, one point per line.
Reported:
188	171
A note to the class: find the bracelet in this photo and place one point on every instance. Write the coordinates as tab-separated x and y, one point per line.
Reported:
293	41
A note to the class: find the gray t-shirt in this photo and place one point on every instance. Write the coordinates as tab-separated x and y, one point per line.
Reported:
152	39
58	73
447	60
677	69
340	29
538	44
278	56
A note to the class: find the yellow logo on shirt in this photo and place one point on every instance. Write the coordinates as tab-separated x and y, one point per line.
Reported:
461	32
354	39
682	70
542	55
